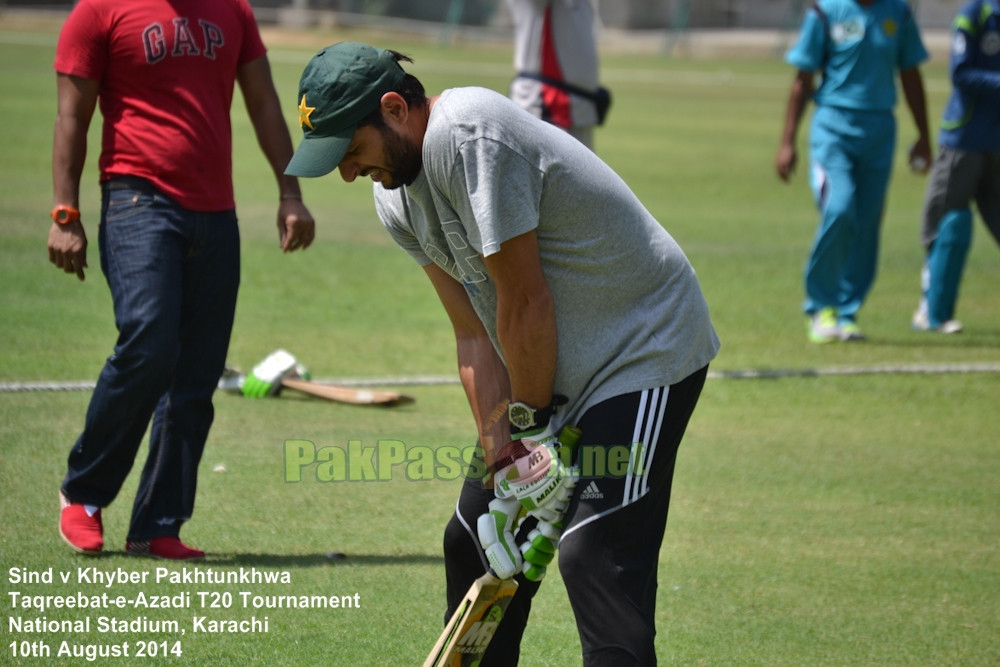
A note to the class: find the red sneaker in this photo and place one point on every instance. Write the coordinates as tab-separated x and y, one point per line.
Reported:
84	533
167	548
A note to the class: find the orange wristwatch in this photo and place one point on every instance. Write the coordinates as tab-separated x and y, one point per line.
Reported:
64	215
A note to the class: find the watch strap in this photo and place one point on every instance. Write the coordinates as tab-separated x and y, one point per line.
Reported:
65	215
542	415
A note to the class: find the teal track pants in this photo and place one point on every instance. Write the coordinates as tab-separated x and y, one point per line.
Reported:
851	155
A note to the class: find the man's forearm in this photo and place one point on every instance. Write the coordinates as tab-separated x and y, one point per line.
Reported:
798	97
916	100
76	99
69	153
276	144
487	387
526	329
269	125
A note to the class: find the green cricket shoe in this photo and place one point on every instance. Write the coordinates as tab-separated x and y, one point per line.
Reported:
823	326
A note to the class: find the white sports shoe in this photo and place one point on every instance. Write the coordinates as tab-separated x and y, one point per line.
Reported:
921	323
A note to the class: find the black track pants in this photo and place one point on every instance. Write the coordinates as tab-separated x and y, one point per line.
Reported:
609	550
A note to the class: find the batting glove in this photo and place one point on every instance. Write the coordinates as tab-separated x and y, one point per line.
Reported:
265	380
532	472
496	535
496	531
540	549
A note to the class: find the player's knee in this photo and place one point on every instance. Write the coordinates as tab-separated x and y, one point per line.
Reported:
575	564
947	253
144	362
839	216
615	656
458	541
955	228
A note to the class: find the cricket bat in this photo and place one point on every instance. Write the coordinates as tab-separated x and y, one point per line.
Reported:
232	380
470	629
346	394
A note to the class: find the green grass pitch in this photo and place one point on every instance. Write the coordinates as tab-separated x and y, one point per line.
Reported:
816	520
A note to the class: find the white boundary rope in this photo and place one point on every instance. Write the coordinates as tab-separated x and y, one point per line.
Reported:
888	369
433	380
16	387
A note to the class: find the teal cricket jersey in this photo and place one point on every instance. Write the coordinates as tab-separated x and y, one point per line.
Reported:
858	49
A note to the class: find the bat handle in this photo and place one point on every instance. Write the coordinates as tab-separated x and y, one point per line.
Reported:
569	438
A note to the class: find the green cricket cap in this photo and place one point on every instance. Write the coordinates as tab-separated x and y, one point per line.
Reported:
342	84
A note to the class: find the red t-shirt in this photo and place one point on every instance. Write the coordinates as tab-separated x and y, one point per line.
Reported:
167	70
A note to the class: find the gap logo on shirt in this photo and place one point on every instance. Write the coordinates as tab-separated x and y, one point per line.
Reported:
158	42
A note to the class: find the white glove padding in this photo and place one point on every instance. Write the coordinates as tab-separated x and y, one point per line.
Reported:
265	380
534	474
496	535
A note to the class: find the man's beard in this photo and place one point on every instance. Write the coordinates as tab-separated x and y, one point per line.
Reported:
403	158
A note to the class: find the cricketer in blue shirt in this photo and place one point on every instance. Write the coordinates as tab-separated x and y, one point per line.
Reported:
857	46
967	166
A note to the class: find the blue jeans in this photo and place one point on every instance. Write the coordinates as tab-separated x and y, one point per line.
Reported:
174	276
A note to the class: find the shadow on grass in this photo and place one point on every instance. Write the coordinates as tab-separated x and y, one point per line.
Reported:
313	560
215	558
986	340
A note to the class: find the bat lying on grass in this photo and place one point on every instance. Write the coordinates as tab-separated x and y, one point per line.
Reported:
346	394
470	629
232	380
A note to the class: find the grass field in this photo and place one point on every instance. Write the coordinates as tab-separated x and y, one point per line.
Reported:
817	519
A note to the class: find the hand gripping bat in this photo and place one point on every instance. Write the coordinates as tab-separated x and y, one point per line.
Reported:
469	630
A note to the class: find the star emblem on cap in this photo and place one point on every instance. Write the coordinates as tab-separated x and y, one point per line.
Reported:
304	112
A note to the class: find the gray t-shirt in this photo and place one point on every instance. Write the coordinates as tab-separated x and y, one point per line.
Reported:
630	314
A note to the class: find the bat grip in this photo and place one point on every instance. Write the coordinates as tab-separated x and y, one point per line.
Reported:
569	438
